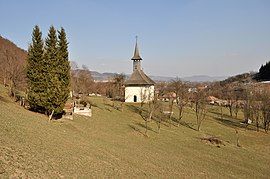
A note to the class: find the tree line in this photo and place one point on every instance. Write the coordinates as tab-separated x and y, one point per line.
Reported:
264	72
48	71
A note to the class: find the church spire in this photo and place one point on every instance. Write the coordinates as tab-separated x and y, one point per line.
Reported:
136	55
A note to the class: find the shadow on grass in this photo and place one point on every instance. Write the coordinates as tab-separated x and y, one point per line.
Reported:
136	109
188	125
225	115
137	129
182	123
232	122
141	111
108	109
144	126
165	121
96	106
108	105
141	131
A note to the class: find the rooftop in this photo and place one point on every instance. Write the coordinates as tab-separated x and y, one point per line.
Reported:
138	77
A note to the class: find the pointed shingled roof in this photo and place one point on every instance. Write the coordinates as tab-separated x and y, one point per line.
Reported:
138	77
136	55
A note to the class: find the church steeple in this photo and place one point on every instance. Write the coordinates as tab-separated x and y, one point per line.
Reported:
136	57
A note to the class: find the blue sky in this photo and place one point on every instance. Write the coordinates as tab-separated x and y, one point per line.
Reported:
176	37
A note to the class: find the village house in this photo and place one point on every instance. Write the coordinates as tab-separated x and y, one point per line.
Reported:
139	87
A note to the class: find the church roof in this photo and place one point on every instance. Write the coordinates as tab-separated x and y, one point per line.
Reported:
138	77
136	55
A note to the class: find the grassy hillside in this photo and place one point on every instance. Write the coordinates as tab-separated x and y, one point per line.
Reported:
111	143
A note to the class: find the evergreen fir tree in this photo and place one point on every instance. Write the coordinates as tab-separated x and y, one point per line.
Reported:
264	72
51	68
48	71
64	66
36	83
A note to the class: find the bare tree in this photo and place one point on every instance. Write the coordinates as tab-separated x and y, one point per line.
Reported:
144	96
236	108
118	81
255	102
238	94
153	106
200	107
181	96
265	107
218	91
229	95
161	89
82	80
13	72
248	103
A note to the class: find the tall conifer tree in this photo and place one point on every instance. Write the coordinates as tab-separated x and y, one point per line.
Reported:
264	72
48	71
64	66
36	79
52	65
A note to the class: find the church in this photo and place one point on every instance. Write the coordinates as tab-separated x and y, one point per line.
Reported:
139	87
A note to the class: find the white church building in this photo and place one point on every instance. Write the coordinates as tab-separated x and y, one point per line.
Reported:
139	87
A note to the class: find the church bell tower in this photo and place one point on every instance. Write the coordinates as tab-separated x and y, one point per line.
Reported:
136	57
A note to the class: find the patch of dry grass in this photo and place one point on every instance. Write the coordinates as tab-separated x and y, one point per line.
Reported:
111	143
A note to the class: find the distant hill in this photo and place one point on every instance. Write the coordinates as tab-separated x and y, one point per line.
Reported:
204	78
241	78
101	76
198	78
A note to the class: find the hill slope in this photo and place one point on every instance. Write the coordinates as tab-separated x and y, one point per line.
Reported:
12	62
111	144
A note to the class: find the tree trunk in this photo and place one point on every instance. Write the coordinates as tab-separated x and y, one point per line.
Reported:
221	112
198	122
146	127
159	127
237	138
50	117
257	125
179	116
5	82
266	126
199	126
230	108
236	114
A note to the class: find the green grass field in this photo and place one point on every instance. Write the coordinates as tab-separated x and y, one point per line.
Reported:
111	144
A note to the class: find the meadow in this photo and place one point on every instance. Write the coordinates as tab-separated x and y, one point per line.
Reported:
112	144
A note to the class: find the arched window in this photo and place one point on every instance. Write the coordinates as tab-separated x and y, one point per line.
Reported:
135	98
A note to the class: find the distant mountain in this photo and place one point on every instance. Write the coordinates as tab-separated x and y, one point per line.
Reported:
102	76
204	78
162	78
198	78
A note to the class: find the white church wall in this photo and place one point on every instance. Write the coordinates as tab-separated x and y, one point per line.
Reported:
141	93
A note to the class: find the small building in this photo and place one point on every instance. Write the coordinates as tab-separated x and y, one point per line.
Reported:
139	87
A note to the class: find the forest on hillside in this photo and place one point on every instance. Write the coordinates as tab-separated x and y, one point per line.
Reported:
12	62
